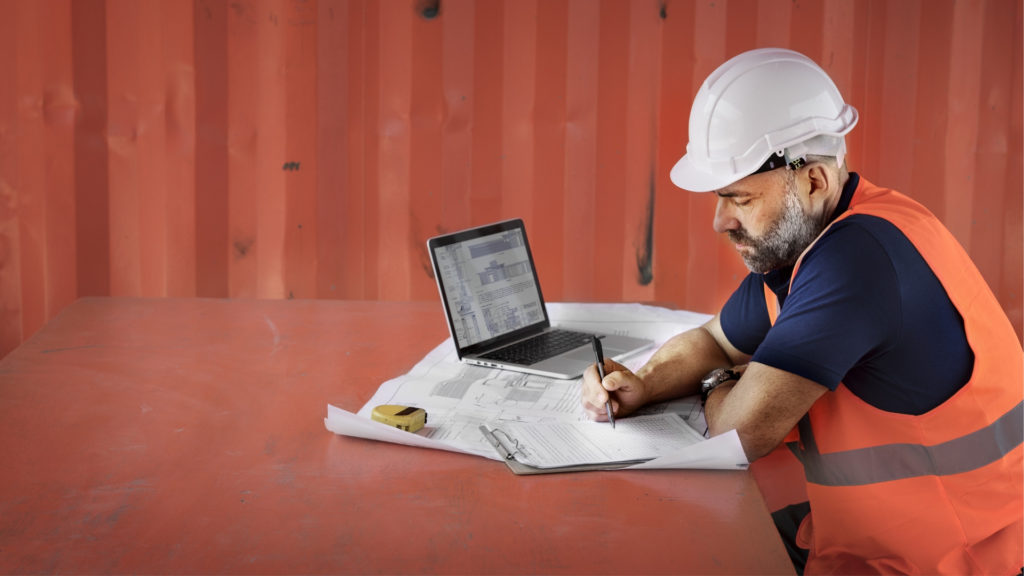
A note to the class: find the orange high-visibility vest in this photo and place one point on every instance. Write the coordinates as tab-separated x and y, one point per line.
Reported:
939	493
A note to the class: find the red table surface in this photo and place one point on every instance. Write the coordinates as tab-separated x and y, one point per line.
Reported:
186	436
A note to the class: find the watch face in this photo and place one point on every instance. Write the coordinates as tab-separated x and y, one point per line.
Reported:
714	377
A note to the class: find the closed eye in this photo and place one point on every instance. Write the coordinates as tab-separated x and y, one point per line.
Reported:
738	199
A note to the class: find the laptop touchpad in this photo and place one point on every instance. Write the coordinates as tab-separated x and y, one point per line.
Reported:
585	354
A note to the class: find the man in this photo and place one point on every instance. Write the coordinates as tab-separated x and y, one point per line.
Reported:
864	338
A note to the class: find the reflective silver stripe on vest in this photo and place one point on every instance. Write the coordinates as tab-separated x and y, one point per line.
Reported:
899	461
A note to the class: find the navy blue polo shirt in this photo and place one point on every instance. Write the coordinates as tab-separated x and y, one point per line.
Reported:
865	310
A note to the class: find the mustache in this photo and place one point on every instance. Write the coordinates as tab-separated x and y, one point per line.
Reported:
740	237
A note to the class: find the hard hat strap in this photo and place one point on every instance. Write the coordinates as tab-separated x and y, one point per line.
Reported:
780	159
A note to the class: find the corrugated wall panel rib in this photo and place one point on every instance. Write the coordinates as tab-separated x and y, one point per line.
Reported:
994	110
11	329
549	151
125	137
269	133
91	189
299	158
930	117
31	186
672	207
581	137
351	152
394	126
608	227
58	109
153	153
245	131
370	134
1011	289
518	71
427	128
487	98
308	148
213	164
332	145
960	139
639	168
179	175
705	253
457	86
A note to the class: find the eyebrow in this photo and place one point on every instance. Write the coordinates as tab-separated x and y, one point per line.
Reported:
728	194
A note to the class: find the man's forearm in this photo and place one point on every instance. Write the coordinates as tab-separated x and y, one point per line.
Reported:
676	368
762	406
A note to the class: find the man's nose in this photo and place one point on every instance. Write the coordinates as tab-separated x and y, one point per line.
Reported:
725	220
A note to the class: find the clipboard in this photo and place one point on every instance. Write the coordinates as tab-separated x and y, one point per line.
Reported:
509	448
549	446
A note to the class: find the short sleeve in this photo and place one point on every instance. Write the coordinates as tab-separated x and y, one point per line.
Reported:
844	305
744	317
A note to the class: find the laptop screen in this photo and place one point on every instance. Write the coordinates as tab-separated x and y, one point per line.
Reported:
487	280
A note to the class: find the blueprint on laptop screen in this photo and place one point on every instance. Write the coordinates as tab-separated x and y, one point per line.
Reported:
489	286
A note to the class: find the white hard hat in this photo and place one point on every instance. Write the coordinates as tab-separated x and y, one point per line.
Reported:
760	107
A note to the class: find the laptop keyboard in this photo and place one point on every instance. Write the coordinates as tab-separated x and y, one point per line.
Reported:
540	347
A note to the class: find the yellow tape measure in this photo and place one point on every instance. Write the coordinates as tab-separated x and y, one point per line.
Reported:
408	418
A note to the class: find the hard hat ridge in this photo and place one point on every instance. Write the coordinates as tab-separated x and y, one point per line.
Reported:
757	104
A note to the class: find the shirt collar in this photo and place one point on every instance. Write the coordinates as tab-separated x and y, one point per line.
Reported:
844	199
778	280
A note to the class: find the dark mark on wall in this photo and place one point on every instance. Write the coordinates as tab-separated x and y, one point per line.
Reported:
645	252
420	247
303	13
429	9
424	258
294	166
242	247
244	12
663	13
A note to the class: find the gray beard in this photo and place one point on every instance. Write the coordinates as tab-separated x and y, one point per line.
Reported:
785	239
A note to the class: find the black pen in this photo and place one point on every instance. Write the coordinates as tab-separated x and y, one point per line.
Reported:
600	371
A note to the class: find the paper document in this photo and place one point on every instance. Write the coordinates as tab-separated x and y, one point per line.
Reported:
460	398
562	444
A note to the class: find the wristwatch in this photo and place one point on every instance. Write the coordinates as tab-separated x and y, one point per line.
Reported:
714	379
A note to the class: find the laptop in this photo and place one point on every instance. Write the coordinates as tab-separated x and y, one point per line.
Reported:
495	310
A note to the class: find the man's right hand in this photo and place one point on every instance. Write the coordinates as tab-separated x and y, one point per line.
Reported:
625	389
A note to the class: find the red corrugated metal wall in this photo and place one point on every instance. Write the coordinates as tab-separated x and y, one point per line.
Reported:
307	148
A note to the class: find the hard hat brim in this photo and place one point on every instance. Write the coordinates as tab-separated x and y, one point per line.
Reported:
687	176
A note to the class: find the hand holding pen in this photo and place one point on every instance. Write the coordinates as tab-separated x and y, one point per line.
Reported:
599	353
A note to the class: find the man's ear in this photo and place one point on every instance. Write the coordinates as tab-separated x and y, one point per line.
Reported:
820	179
